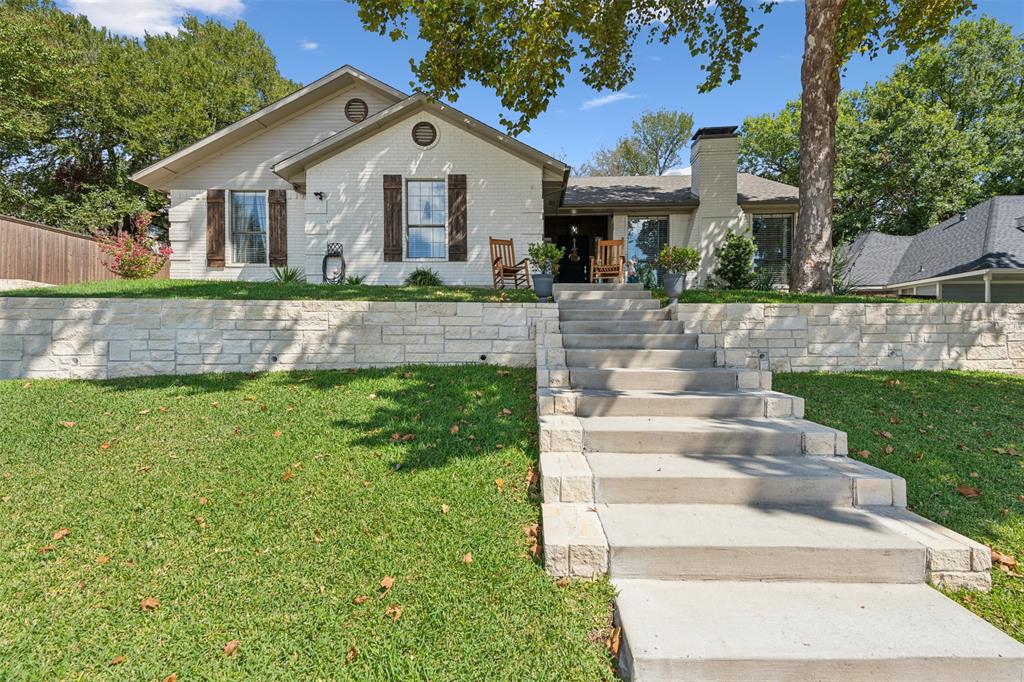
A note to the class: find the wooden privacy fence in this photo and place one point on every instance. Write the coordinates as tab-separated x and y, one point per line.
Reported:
41	253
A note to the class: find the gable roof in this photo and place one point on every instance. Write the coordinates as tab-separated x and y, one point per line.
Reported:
987	236
292	167
319	90
666	190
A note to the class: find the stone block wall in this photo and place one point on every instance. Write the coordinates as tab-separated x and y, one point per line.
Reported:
103	338
848	336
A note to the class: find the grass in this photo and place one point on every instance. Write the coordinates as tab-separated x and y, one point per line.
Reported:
945	430
258	508
750	296
270	291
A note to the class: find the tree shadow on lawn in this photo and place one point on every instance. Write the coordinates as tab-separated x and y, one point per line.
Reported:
421	416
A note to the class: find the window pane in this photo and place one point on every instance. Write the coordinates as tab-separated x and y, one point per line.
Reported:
426	242
773	236
645	238
427	205
248	227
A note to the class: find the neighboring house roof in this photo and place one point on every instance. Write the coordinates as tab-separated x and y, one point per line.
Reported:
293	166
266	117
669	190
987	236
873	257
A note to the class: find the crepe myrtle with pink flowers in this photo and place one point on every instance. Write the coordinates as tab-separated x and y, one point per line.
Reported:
133	254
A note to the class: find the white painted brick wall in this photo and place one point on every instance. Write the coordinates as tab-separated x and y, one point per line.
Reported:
504	199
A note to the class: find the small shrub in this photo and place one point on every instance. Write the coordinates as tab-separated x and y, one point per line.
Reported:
647	275
678	259
423	277
546	257
289	275
734	262
134	256
764	280
355	280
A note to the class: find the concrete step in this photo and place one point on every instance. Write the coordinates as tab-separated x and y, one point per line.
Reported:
609	304
560	288
606	357
713	379
736	542
704	436
805	631
601	294
605	403
763	480
623	327
638	341
605	315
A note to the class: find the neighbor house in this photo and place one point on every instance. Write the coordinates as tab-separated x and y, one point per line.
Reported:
401	181
977	255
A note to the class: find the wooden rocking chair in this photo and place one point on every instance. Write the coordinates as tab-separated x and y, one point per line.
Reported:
610	262
504	266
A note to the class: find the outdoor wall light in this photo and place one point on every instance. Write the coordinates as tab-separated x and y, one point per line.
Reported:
319	195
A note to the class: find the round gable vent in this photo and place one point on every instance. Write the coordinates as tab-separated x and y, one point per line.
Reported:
424	134
356	110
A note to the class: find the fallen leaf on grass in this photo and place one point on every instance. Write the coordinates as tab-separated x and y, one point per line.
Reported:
60	534
144	412
968	491
201	521
103	560
614	641
27	384
203	500
889	449
277	434
891	382
231	647
395	611
104	446
500	482
1003	559
444	508
173	677
288	475
117	660
503	372
361	599
505	412
353	652
864	453
45	549
149	604
467	558
454	429
69	425
894	420
387	582
884	434
530	530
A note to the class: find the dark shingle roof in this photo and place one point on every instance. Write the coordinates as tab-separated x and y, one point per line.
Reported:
990	235
598	190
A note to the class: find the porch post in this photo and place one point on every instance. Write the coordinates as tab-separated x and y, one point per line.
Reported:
988	287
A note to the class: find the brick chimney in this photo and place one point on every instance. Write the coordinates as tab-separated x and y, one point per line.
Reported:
713	158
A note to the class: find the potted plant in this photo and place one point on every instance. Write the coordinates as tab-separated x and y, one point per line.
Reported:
675	262
546	258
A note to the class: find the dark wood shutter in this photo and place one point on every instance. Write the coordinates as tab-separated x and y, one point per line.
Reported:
457	228
215	228
278	227
392	218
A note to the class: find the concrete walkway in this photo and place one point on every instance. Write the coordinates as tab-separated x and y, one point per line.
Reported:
742	541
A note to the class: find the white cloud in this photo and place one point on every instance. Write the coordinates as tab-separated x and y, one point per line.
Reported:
679	170
138	17
308	45
607	99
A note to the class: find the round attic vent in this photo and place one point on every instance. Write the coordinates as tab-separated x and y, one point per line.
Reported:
424	134
356	110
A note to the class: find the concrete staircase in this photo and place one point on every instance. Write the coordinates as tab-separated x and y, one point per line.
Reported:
742	541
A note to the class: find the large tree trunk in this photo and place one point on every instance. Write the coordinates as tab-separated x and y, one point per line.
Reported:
811	268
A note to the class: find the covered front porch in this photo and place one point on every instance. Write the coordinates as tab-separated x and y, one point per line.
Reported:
579	233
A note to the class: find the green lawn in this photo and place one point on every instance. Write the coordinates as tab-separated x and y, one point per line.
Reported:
270	291
747	296
262	508
945	430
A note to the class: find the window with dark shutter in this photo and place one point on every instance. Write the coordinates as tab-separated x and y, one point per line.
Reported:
356	110
278	233
773	235
392	218
215	228
424	134
457	225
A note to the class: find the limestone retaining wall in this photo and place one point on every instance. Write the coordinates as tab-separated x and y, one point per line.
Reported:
100	338
806	337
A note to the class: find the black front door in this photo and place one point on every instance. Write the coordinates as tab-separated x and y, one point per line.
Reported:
576	260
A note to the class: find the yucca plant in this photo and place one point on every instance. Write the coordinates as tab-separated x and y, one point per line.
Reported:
289	275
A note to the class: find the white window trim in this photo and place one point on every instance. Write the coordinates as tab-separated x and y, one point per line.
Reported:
406	225
229	255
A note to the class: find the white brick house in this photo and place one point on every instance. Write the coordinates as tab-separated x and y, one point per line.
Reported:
402	182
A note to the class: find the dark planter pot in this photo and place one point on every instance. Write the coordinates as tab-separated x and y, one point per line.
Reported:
674	283
542	285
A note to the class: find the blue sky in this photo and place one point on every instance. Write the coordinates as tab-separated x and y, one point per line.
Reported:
312	37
